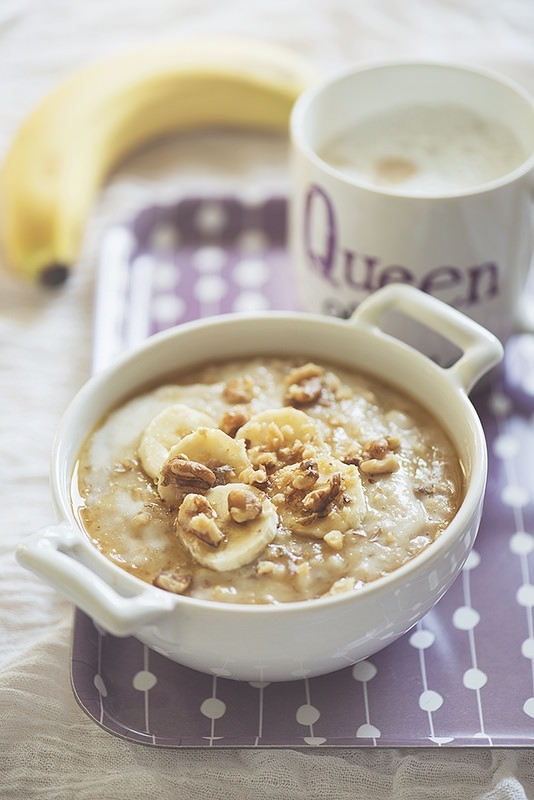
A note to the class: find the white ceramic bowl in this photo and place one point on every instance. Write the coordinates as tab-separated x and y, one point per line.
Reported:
292	640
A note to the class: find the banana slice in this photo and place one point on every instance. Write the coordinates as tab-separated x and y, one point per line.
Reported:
164	431
319	495
227	527
276	436
208	454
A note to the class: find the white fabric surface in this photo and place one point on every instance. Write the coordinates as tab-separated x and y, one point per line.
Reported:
49	748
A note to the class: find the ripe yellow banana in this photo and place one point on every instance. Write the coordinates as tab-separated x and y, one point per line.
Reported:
63	152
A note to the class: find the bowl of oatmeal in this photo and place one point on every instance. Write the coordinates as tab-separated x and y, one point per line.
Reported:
271	496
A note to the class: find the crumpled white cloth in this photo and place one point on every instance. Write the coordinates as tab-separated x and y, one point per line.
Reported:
49	748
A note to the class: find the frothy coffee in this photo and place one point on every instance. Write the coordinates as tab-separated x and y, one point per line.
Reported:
425	150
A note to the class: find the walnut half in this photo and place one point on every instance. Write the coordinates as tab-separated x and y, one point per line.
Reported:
186	476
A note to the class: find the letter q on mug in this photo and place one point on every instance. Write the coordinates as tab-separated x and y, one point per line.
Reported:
418	173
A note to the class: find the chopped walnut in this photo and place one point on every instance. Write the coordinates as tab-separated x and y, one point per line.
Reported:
239	390
233	419
173	580
275	436
378	448
304	372
141	518
126	465
244	505
196	516
187	476
318	500
297	451
377	457
306	475
335	540
304	385
424	489
264	568
303	393
255	477
340	586
263	459
353	457
302	570
224	473
280	446
270	568
380	466
298	569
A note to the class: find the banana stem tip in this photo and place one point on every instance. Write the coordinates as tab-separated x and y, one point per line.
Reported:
54	275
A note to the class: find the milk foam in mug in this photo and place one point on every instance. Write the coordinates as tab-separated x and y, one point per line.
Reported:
416	173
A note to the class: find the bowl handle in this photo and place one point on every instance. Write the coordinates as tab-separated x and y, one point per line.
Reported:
481	350
60	556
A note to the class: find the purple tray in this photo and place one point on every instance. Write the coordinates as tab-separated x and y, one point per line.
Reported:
464	676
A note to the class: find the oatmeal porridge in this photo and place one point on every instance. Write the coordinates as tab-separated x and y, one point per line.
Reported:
266	481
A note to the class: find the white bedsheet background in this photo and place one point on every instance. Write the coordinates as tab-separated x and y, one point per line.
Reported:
48	747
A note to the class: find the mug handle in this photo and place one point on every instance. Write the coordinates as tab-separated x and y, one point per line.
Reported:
481	350
62	557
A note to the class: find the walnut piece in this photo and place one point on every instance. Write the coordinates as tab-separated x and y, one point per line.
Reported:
187	476
264	568
244	505
340	586
335	540
263	459
233	419
318	500
224	473
380	466
196	516
424	490
377	457
141	518
256	477
269	568
173	580
126	465
378	448
306	475
239	390
304	385
353	457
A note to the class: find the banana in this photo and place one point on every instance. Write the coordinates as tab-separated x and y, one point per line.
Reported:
199	461
164	431
228	526
66	148
208	477
277	435
318	496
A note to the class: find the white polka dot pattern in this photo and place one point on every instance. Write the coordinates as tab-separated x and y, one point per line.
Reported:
464	675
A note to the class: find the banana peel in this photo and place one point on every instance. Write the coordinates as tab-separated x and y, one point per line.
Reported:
64	151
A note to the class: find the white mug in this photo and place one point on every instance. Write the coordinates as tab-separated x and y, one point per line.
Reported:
419	173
